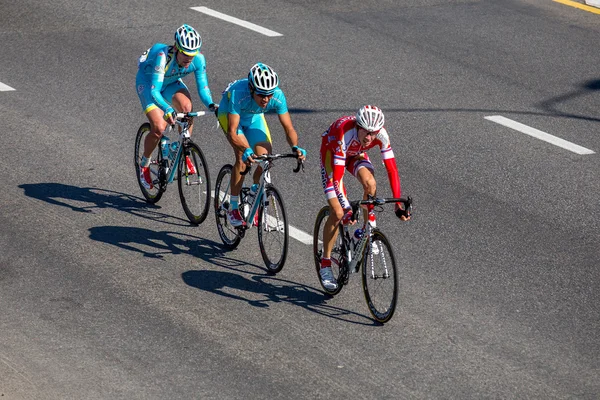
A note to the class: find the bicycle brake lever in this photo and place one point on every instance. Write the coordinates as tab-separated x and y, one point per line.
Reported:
407	206
299	165
245	172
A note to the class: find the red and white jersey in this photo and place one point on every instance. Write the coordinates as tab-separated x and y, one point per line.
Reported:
340	145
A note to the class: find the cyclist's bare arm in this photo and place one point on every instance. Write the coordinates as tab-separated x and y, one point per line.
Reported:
290	131
387	155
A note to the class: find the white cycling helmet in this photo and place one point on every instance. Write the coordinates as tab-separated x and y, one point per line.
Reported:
370	118
262	79
187	40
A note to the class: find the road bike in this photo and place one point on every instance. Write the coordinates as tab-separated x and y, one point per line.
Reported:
264	209
180	160
371	250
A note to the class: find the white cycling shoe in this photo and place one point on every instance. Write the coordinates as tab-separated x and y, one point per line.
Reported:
146	178
235	218
327	278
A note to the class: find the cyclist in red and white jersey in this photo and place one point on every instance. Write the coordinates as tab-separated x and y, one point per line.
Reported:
344	147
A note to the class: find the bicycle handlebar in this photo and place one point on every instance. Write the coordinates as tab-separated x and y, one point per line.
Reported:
179	117
271	157
378	201
189	114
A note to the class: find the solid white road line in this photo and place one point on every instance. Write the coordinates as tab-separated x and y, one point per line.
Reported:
538	134
236	21
5	88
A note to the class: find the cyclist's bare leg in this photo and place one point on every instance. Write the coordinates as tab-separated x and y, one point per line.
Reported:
182	102
261	148
157	127
330	229
367	180
237	179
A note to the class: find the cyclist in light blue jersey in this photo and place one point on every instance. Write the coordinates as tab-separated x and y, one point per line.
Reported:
241	116
161	91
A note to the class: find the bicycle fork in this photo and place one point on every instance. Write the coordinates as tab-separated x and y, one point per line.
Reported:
376	251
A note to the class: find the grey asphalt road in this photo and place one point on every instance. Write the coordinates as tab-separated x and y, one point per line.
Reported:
104	296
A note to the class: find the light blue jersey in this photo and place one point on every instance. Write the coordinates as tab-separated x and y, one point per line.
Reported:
159	77
237	99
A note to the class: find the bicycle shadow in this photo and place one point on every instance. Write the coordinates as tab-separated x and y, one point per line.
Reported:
272	290
157	244
87	199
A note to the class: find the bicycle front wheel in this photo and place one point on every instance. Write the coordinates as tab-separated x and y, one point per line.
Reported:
337	258
273	230
152	195
379	278
194	183
227	233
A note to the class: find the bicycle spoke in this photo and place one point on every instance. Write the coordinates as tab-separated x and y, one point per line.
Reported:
337	260
194	183
380	283
228	234
151	195
273	231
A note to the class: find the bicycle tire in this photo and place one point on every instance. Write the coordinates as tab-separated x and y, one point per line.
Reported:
272	221
194	189
380	278
338	262
227	233
153	195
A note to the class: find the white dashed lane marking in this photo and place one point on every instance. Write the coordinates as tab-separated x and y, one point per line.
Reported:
5	88
538	134
237	21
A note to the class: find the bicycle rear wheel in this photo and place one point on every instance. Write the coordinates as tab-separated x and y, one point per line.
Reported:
273	230
229	234
338	262
152	195
379	278
194	183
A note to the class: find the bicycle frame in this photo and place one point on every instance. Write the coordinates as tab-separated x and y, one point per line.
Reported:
183	137
259	198
356	255
373	253
265	162
353	257
266	208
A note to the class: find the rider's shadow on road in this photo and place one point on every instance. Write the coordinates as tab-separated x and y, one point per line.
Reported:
87	199
269	290
554	104
155	244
